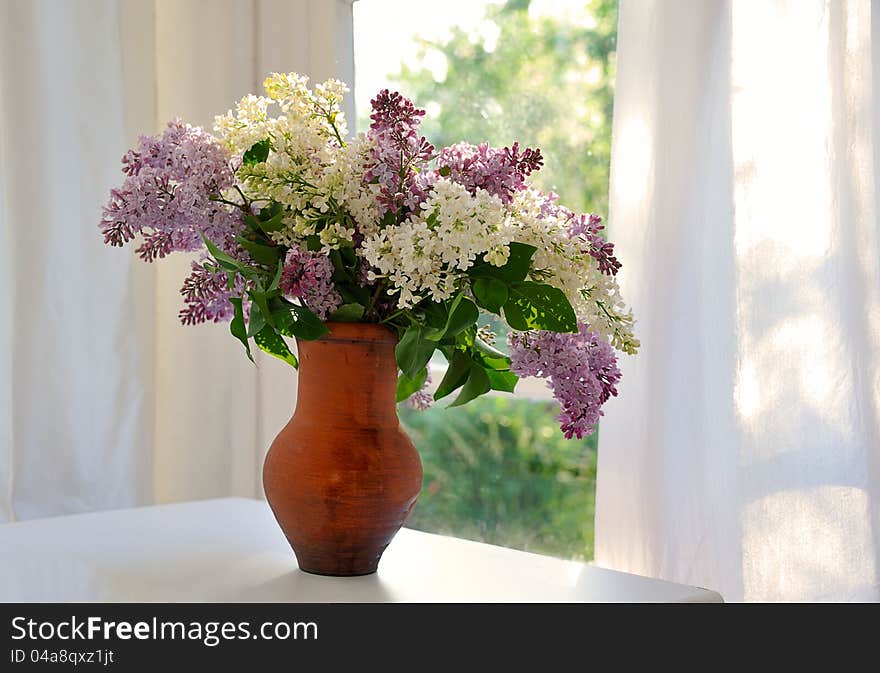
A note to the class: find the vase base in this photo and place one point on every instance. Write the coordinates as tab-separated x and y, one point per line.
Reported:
338	565
324	573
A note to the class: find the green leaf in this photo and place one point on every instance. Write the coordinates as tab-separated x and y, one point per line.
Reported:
462	314
477	384
257	154
514	271
342	273
237	326
461	317
313	243
348	313
490	357
232	265
253	222
256	276
389	218
456	374
256	322
349	257
466	338
504	381
262	254
283	321
271	342
270	210
490	293
539	306
224	260
260	300
272	224
353	294
413	351
490	351
490	363
437	314
306	325
406	386
269	219
277	279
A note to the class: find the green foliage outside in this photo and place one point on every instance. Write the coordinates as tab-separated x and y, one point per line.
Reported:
547	84
499	469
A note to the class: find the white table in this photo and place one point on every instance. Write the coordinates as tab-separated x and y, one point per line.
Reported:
232	550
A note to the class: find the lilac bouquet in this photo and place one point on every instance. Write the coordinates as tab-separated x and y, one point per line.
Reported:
293	226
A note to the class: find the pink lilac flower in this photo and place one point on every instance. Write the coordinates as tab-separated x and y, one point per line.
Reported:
307	276
581	369
165	195
500	171
399	153
206	296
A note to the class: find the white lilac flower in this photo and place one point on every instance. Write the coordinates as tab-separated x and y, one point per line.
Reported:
426	254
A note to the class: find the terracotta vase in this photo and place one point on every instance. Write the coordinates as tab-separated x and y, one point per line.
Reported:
342	475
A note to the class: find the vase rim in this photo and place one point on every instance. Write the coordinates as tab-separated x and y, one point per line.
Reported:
359	331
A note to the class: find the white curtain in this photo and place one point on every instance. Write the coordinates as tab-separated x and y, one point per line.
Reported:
743	453
105	399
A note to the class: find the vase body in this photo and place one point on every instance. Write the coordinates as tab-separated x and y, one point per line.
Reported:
342	476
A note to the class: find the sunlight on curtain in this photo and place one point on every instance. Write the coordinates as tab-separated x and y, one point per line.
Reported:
807	293
633	154
6	431
742	454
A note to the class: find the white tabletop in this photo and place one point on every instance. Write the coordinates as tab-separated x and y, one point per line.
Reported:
232	550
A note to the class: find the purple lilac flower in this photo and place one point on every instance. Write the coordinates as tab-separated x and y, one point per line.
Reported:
550	207
422	399
307	276
589	228
206	297
500	171
399	153
165	195
581	368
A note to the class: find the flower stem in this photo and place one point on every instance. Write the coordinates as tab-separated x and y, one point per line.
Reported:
392	316
371	309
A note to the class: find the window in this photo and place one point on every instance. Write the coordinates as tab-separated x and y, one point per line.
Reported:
541	73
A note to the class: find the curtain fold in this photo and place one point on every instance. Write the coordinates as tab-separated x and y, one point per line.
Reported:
6	359
744	451
105	399
77	419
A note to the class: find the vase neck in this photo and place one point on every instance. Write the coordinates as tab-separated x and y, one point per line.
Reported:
350	376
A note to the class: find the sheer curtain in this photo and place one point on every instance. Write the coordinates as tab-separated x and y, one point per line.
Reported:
105	400
744	451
